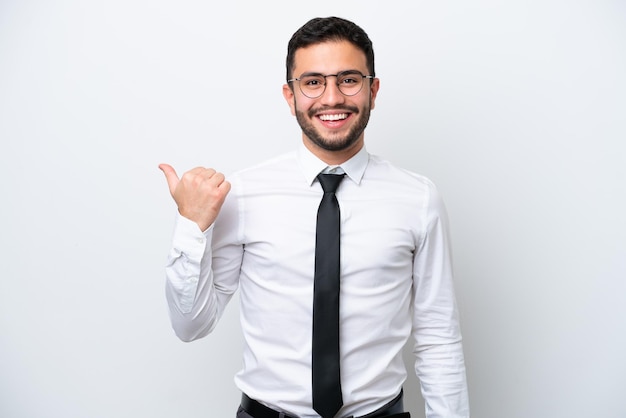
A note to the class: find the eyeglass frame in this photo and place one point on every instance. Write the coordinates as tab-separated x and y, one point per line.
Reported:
354	72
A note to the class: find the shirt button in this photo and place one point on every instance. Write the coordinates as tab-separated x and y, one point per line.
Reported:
333	170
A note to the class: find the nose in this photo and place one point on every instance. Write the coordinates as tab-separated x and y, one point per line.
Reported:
332	95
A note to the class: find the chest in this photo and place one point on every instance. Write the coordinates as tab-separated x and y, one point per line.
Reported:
379	235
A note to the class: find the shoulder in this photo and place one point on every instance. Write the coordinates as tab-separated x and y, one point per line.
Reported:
280	162
383	170
267	170
280	174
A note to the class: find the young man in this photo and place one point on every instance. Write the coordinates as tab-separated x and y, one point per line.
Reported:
390	267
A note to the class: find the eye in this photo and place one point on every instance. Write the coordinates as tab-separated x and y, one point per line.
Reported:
348	80
312	81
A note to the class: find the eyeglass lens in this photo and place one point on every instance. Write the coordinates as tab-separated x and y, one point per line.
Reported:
349	83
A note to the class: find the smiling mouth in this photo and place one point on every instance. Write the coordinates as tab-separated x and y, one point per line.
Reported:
333	117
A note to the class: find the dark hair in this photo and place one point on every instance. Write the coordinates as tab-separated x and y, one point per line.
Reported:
324	29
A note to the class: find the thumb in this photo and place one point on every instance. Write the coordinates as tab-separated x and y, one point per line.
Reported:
170	176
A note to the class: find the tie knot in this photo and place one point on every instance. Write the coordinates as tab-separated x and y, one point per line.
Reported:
330	182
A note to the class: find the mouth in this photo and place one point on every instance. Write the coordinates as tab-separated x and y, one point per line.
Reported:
333	117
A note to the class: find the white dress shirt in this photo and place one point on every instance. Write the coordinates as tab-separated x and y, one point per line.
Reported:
396	282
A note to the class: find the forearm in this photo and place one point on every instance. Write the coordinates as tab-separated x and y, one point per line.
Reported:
195	302
439	359
441	371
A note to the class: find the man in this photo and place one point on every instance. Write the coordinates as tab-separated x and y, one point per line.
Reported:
391	256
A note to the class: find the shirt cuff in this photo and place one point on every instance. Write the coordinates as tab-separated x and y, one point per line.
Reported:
189	239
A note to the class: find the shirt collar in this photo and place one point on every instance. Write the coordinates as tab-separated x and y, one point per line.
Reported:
311	166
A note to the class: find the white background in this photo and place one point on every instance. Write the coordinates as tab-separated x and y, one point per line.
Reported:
515	109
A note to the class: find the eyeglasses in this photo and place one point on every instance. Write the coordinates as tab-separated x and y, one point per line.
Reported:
349	83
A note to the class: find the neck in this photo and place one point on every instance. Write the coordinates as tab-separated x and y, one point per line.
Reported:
333	157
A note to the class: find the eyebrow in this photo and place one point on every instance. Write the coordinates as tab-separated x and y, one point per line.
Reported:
311	73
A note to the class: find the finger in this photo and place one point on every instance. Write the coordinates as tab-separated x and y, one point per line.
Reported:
225	187
198	174
170	176
216	178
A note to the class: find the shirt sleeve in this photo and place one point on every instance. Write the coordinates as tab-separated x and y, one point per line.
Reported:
439	360
202	273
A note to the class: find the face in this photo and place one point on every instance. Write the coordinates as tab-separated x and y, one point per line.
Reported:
332	124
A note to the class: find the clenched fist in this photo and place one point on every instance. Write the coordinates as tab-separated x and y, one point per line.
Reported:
199	193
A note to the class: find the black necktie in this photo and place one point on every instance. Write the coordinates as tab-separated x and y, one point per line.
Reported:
326	377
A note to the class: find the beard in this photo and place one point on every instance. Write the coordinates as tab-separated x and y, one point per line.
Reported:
334	142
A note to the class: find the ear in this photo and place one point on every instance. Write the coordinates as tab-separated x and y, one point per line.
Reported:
375	85
290	98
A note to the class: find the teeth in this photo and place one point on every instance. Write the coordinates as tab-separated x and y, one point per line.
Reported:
339	116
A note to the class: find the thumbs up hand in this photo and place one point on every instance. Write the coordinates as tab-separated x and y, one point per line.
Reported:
199	193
